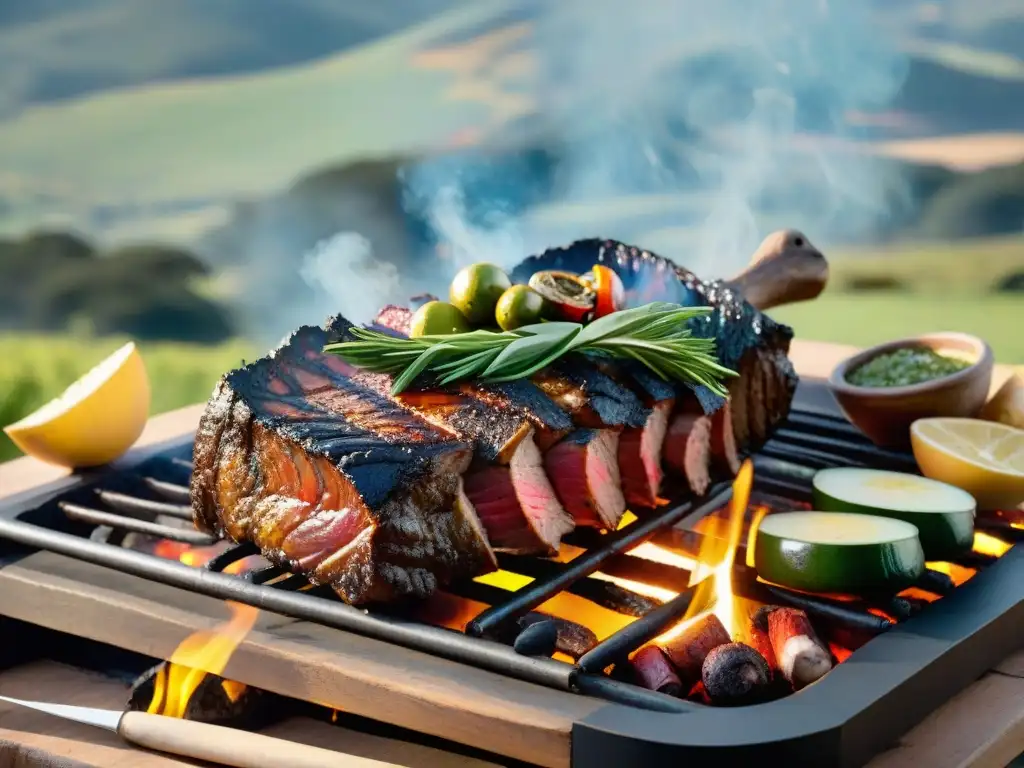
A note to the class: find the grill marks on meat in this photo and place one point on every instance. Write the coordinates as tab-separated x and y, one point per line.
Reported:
331	480
515	500
584	469
521	398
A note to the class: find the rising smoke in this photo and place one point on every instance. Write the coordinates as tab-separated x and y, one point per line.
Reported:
727	118
730	112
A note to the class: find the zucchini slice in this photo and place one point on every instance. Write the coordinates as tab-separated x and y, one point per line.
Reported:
838	552
943	514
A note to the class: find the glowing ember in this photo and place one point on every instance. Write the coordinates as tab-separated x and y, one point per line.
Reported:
989	545
958	573
712	574
202	653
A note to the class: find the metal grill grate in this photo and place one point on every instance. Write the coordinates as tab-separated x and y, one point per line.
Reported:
92	521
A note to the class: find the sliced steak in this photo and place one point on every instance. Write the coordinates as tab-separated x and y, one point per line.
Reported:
550	421
584	469
724	453
363	495
517	504
640	447
688	447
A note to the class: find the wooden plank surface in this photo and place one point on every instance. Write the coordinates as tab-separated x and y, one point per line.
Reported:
302	660
55	741
370	680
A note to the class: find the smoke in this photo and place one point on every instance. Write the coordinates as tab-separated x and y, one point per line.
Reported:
730	117
346	278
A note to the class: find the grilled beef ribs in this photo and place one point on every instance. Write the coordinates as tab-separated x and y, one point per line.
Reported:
332	480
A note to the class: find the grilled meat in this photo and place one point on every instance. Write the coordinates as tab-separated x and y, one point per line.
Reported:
584	469
334	481
745	338
688	448
515	501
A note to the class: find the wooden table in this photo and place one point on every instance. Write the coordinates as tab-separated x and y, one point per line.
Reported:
983	727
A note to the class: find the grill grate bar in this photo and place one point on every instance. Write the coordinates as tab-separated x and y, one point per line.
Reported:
477	652
219	562
133	505
603	593
97	517
170	491
534	594
861	453
633	635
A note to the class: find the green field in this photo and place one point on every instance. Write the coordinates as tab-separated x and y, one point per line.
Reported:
943	288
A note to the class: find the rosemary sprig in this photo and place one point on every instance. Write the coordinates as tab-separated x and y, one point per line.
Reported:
655	335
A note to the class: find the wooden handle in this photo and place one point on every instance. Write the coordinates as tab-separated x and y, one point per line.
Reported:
785	269
228	746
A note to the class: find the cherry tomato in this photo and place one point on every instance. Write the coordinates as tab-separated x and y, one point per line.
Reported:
611	296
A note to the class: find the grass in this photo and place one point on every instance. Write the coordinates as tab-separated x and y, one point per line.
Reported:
866	319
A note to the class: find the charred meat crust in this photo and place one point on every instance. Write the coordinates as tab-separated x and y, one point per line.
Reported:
591	397
354	492
518	399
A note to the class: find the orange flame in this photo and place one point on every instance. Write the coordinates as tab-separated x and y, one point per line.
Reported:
712	575
204	652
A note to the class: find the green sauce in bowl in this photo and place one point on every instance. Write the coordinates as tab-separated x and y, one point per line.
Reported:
910	365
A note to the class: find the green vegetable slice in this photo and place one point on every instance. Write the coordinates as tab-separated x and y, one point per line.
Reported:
943	514
838	552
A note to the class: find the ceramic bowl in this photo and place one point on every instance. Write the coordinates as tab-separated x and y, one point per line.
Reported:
885	414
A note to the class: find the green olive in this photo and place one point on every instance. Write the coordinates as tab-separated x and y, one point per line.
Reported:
476	290
437	317
520	305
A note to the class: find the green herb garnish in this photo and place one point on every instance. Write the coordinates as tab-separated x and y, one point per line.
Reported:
655	335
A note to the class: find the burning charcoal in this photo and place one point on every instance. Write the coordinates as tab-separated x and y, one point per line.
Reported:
759	638
215	700
654	671
538	639
573	639
735	674
801	656
688	649
936	582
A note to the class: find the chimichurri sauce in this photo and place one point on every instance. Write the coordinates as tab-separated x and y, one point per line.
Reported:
910	365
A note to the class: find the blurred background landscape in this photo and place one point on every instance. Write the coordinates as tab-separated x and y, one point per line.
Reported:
204	175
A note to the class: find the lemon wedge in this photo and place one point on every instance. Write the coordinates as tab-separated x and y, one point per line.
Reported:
984	458
95	420
1007	405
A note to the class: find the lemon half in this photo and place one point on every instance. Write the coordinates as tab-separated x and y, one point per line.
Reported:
95	420
984	458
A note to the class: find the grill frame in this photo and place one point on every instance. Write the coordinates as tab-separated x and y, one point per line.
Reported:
859	708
